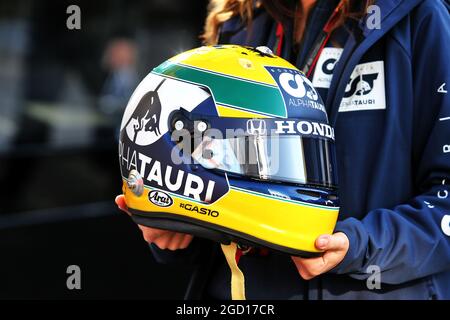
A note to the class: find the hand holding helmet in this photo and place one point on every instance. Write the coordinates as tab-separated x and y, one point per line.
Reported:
335	248
164	239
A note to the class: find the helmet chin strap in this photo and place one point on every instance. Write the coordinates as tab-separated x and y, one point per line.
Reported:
232	254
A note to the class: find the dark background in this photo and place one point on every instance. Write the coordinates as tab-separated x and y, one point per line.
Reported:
62	93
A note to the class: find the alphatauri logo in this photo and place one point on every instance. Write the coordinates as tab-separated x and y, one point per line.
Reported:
297	86
361	85
143	124
365	89
323	73
297	91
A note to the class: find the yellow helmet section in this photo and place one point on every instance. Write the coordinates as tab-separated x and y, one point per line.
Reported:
236	76
276	221
224	111
236	61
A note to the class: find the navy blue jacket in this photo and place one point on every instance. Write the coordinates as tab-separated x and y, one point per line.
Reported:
393	163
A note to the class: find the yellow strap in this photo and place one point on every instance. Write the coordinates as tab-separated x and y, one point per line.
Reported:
237	277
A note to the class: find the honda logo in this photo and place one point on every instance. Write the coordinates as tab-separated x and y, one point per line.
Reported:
256	127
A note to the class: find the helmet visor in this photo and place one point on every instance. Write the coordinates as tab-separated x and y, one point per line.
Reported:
277	158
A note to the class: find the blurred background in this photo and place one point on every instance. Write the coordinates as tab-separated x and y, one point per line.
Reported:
62	93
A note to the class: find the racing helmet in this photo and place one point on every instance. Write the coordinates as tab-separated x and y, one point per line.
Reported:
230	143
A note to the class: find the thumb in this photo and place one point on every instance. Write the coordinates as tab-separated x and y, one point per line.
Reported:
337	241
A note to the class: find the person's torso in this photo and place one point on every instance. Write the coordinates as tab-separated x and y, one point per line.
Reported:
374	126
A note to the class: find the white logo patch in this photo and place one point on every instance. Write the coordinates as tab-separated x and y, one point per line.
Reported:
365	90
445	224
325	67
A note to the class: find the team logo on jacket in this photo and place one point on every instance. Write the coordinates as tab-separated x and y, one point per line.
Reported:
323	72
366	88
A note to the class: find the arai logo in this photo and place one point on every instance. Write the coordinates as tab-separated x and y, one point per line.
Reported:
160	198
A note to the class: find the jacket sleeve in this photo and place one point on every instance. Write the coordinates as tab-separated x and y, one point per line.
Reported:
412	240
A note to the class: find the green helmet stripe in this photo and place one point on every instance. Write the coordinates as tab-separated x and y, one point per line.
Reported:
230	91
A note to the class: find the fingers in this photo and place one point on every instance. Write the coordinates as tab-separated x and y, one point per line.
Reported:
335	248
120	201
182	242
186	241
173	241
337	241
322	242
152	234
309	268
165	239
